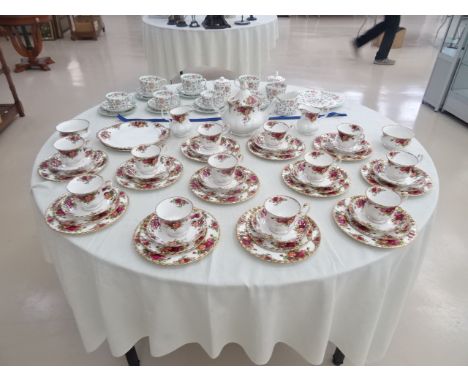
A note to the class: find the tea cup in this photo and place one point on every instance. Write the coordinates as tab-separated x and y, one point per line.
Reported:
210	134
400	164
73	126
274	89
174	214
180	122
118	100
222	86
222	167
71	149
281	212
209	99
249	81
286	104
274	132
146	158
150	83
381	203
396	137
349	135
317	164
88	190
165	100
192	83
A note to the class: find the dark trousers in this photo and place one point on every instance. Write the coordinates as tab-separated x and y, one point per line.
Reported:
389	27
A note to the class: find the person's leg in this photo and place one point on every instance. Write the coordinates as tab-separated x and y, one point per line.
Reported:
392	23
372	33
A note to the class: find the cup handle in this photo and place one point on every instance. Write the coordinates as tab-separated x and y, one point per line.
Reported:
420	157
305	208
107	184
240	158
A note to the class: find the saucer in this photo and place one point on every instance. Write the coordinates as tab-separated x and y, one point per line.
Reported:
398	225
156	239
320	99
78	228
139	95
415	176
345	223
130	169
260	141
201	109
208	181
262	235
247	184
327	143
47	170
70	206
57	165
228	145
421	185
302	252
336	184
295	148
172	172
202	249
106	107
196	147
151	107
181	93
106	113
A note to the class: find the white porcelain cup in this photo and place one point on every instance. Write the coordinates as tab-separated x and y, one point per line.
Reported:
381	204
274	89
281	212
174	213
88	190
118	100
396	137
150	83
248	81
222	86
209	99
400	164
71	149
317	164
146	158
349	135
192	83
222	167
274	132
73	126
165	100
210	134
286	104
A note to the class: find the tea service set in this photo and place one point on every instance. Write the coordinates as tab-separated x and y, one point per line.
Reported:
274	142
148	169
176	233
117	102
73	155
211	139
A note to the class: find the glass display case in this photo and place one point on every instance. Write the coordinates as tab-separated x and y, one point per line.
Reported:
447	61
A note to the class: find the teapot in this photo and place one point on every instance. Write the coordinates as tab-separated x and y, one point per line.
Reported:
243	115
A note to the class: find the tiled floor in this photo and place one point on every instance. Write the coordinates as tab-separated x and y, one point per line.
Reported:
37	325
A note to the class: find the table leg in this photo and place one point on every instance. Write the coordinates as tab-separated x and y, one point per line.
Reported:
338	357
132	357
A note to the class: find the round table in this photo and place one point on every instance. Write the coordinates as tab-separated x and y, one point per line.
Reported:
242	49
347	293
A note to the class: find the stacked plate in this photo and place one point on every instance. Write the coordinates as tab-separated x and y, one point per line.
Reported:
244	186
155	245
335	182
350	216
193	149
298	244
152	107
290	148
329	143
56	170
66	216
417	183
199	108
167	172
320	99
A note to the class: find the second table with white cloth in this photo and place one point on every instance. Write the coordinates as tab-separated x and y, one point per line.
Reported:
346	293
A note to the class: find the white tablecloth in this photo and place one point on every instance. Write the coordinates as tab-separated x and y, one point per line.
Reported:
347	293
242	49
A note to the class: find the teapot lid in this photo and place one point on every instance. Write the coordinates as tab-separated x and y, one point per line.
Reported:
222	79
245	97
